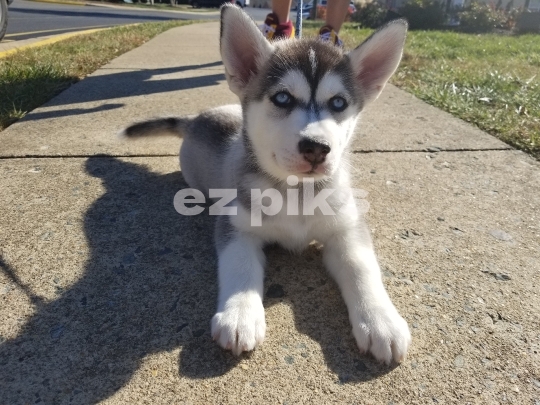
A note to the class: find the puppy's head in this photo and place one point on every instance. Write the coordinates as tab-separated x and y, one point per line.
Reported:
301	98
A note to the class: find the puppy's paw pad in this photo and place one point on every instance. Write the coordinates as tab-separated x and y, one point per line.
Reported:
241	326
384	333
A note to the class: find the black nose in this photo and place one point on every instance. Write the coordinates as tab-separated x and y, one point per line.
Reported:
314	151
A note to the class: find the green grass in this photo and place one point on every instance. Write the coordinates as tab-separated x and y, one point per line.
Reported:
489	80
31	77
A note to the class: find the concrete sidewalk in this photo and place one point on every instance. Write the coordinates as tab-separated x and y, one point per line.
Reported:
106	293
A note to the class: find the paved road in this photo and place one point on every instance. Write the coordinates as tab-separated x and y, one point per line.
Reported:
29	19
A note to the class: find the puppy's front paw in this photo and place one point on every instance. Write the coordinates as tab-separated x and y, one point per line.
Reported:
241	325
383	332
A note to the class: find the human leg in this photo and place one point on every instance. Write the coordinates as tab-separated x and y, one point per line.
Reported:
336	12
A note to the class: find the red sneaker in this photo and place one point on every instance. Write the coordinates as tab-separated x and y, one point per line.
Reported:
272	29
327	33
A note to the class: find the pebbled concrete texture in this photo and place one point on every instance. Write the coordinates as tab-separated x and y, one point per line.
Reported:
106	293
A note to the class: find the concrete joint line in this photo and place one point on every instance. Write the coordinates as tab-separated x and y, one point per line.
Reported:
430	151
85	156
175	154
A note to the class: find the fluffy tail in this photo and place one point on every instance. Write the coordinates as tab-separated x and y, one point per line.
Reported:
156	127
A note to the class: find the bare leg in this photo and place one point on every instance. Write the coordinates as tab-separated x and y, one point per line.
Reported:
336	12
281	8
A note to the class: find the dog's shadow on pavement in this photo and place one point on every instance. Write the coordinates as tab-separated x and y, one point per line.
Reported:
150	286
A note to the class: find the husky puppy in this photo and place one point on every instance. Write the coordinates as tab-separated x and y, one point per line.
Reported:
300	101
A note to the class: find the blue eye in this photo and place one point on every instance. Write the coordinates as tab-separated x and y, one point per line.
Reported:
282	99
337	104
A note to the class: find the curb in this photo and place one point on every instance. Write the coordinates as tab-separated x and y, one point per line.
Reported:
72	3
51	40
120	6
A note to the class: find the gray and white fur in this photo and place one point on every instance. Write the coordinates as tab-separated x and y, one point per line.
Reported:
300	102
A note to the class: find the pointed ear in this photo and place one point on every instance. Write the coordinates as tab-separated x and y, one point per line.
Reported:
377	58
243	47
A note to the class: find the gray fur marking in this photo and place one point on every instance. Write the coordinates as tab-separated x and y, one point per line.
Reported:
313	59
300	55
157	127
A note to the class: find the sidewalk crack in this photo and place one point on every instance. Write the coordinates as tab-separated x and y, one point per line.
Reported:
429	150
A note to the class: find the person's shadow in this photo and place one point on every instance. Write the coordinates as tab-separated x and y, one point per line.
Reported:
150	285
